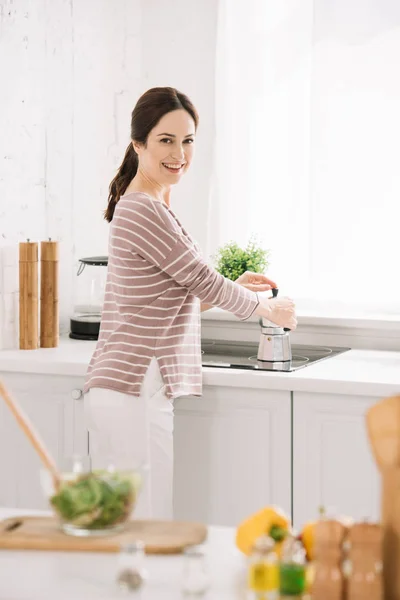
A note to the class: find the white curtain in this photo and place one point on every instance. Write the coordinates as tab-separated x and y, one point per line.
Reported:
308	143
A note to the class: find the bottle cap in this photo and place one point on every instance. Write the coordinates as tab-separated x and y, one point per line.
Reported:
264	544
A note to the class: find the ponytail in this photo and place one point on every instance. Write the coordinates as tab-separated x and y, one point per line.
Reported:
126	173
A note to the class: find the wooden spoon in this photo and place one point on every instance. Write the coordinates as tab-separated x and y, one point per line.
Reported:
383	426
32	435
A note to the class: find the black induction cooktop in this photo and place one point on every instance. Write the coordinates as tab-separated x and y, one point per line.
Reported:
233	355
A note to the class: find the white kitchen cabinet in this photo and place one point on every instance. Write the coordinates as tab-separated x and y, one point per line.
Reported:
332	462
49	401
232	454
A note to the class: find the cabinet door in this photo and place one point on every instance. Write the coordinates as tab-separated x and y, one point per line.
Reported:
333	465
232	452
48	402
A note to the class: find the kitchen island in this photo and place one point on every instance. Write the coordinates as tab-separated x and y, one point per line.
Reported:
41	575
254	438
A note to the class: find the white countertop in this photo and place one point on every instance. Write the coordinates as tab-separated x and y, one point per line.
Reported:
359	372
40	575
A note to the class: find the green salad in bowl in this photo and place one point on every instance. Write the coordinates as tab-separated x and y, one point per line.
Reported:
94	502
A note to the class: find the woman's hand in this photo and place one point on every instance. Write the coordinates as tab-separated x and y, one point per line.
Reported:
280	311
256	282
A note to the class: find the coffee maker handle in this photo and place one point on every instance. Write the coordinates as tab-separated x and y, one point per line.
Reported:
274	295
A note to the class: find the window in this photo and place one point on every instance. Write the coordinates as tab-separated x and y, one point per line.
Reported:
308	143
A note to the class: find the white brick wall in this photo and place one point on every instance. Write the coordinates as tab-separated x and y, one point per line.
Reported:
70	73
9	305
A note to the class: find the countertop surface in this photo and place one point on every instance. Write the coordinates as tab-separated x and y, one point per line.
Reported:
42	575
359	372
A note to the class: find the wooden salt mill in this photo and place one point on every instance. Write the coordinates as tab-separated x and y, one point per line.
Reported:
328	583
49	311
383	425
365	558
28	296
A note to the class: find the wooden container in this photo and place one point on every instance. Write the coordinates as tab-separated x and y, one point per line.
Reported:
28	296
328	583
383	425
365	560
49	310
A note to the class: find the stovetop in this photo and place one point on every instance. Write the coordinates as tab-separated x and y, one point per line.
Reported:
232	355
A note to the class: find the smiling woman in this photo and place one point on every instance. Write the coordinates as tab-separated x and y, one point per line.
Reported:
163	128
148	352
165	154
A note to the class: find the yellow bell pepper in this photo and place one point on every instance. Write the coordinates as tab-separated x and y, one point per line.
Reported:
307	537
268	521
307	534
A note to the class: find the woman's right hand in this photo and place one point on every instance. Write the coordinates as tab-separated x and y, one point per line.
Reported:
280	311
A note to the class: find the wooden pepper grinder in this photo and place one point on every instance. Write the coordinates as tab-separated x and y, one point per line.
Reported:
365	562
28	296
383	425
49	311
328	583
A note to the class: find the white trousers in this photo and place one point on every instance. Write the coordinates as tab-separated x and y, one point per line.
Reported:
135	430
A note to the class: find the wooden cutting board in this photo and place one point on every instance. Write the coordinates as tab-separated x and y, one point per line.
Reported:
43	533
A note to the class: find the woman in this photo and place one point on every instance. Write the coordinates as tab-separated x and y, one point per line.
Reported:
148	352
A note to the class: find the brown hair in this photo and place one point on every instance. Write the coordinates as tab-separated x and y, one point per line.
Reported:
149	109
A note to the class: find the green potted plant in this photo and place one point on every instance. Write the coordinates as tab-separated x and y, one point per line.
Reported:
232	261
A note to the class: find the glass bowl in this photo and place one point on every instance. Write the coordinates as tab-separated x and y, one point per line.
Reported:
93	501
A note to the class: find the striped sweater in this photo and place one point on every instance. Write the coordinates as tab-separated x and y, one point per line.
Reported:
156	279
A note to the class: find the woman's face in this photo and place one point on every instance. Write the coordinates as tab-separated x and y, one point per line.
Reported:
169	149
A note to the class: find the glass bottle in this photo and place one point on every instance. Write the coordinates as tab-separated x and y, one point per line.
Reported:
195	580
263	573
292	568
131	569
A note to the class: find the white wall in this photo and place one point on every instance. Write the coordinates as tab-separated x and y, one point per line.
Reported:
70	75
179	50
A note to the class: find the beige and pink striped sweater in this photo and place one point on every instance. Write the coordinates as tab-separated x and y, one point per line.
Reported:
156	280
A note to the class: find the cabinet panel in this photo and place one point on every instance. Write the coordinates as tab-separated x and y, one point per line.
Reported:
232	454
332	462
47	401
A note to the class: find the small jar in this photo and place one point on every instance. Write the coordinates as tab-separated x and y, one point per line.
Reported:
195	579
292	569
263	573
131	566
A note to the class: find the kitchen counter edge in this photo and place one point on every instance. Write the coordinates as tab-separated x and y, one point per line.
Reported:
356	372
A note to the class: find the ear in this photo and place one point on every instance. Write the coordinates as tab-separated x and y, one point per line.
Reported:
136	146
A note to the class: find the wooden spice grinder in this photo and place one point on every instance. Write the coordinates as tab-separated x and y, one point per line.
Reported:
49	311
364	542
28	296
328	583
